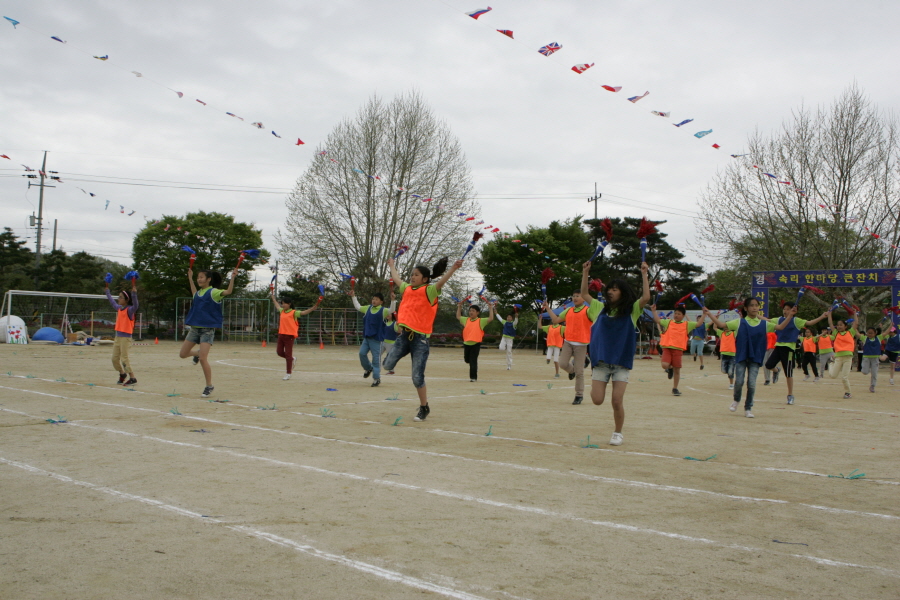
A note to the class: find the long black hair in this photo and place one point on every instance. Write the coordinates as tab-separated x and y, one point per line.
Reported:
127	297
435	271
744	305
627	298
215	278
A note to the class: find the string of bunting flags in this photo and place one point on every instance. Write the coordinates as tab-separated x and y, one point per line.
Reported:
258	124
553	47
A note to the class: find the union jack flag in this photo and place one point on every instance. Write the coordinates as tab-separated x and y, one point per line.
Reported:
550	49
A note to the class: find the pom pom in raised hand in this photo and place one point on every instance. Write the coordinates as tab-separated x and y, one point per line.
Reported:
546	275
108	278
645	229
132	276
193	255
252	253
475	237
607	228
596	286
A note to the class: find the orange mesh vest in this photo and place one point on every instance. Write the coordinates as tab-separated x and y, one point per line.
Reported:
809	344
473	332
844	342
825	343
578	325
415	311
771	340
728	343
675	336
288	324
554	337
123	323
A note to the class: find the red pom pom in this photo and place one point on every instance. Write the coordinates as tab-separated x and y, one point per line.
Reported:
478	235
646	228
658	286
546	275
595	285
683	300
607	227
814	290
707	289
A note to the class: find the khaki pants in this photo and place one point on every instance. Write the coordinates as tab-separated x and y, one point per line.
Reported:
569	351
841	365
120	360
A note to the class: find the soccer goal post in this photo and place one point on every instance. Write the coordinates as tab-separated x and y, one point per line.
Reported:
90	313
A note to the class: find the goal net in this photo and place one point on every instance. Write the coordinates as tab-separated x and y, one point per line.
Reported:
69	313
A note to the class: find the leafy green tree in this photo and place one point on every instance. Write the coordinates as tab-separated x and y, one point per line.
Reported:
16	261
217	239
622	258
512	267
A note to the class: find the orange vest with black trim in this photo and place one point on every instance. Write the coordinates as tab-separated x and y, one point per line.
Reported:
473	332
809	344
844	342
415	311
728	342
554	337
578	325
675	336
825	343
123	322
287	324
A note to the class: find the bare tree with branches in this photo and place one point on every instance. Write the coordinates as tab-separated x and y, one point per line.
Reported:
845	160
353	206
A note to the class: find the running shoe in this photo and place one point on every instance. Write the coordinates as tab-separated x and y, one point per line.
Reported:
571	376
577	400
847	396
548	361
701	367
695	359
122	377
670	372
733	406
767	382
286	377
367	373
293	363
207	391
775	377
133	381
730	386
376	382
422	414
817	380
390	372
196	360
790	399
871	388
675	392
616	439
807	378
557	377
748	414
892	381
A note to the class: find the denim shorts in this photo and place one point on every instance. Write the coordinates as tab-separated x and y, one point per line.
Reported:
201	335
606	372
415	344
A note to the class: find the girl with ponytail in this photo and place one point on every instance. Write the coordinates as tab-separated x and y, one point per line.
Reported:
415	321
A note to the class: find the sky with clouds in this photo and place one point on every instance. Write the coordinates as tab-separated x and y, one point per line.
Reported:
537	136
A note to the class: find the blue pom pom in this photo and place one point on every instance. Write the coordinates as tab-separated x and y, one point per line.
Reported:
108	278
252	253
132	275
321	289
188	249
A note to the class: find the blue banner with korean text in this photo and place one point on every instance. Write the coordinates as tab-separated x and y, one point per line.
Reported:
837	278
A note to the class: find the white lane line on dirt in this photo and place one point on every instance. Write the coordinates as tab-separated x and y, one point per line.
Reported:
598	478
511	465
392	576
455	496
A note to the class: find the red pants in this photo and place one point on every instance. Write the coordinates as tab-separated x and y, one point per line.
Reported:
286	349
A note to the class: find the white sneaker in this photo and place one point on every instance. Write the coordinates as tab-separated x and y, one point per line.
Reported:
730	386
817	379
806	378
286	377
508	368
748	414
293	363
733	406
616	439
892	381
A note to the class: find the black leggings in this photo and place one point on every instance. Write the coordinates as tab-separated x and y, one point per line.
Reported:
783	355
809	358
470	355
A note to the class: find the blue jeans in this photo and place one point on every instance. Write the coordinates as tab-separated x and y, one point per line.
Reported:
419	349
728	365
372	345
751	369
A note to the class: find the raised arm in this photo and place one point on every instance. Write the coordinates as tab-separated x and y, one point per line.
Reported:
817	319
459	310
586	282
553	317
715	320
655	315
788	319
191	280
394	274
453	269
491	306
274	301
310	309
830	321
645	285
227	291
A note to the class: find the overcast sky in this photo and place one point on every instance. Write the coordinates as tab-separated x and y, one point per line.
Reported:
528	124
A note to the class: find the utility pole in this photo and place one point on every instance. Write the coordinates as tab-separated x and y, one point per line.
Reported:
40	215
595	200
55	223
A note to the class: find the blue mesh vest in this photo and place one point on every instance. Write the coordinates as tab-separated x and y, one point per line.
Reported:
872	347
509	330
751	342
373	323
789	334
613	340
205	312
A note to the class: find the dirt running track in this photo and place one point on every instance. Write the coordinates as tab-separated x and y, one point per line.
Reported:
226	500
